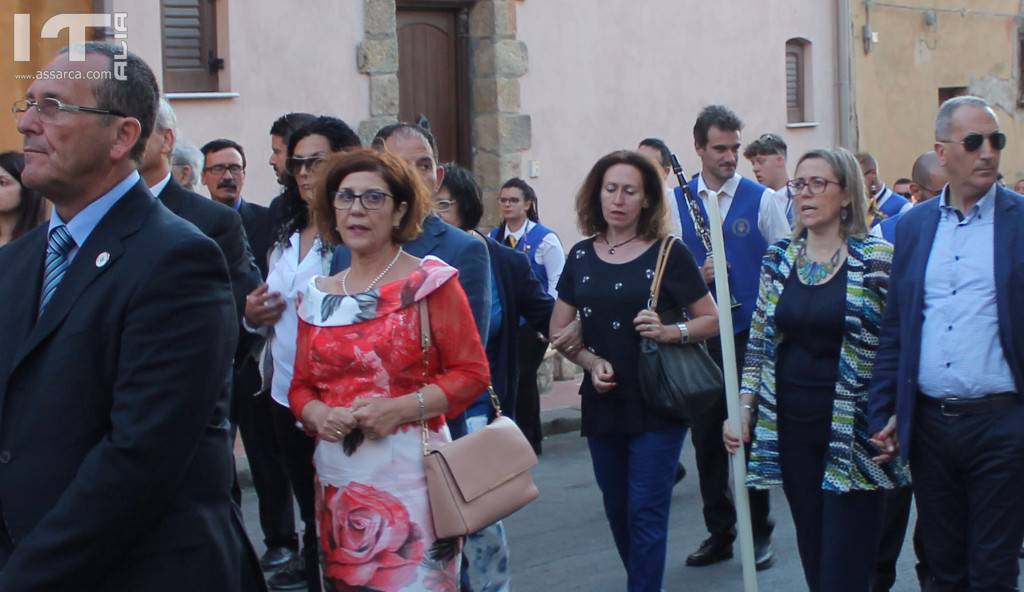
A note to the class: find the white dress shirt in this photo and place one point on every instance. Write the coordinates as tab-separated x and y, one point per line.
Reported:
675	223
771	216
156	189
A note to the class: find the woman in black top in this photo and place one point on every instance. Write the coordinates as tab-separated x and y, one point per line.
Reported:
606	281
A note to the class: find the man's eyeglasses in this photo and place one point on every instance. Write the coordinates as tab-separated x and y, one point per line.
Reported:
373	199
443	205
974	140
49	108
294	164
816	185
220	169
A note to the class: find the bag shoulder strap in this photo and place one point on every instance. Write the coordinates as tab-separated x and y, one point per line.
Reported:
659	269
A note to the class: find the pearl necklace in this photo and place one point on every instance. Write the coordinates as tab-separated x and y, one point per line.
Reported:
344	287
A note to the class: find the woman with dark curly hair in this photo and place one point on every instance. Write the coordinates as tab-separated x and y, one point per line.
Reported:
21	208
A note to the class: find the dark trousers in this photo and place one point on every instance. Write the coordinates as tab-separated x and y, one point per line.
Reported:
297	449
251	414
894	529
531	356
636	473
968	481
837	533
713	465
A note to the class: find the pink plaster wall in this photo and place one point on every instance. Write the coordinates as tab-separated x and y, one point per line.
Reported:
605	75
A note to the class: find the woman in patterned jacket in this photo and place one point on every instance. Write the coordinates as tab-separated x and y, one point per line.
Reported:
812	347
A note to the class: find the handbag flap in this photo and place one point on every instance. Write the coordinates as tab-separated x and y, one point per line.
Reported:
487	458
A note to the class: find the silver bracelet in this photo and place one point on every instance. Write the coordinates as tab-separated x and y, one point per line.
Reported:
423	406
684	333
748	407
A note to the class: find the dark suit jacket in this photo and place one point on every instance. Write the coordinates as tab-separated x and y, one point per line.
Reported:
456	248
224	226
894	384
115	459
522	295
256	221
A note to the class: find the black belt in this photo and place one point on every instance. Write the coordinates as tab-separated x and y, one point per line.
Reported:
957	406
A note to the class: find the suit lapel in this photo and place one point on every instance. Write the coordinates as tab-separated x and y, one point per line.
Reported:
123	219
428	240
1006	229
19	313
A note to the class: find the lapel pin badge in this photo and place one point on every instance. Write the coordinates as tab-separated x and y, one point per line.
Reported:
102	259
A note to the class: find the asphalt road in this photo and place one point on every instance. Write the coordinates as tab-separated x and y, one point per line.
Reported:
562	542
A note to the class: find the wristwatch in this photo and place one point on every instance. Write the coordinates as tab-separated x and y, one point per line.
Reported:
684	333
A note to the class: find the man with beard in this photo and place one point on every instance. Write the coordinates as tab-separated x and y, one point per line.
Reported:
752	220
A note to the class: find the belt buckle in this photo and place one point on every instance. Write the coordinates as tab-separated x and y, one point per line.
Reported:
949	413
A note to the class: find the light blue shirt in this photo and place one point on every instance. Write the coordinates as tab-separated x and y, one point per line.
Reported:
82	225
961	355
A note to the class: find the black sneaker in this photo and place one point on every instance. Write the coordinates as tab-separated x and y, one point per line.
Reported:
291	577
276	557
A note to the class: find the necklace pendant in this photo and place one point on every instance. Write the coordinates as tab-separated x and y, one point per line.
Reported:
611	251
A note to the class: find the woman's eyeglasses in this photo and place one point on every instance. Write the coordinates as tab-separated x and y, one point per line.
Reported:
373	199
816	185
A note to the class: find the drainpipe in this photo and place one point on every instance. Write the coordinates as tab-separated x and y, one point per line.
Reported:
844	76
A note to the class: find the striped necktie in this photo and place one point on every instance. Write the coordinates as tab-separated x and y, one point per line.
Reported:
57	250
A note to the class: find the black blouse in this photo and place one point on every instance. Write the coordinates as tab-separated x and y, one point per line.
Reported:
608	297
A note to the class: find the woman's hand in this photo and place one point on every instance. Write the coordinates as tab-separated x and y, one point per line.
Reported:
378	416
887	442
732	443
648	324
263	307
569	340
332	424
602	376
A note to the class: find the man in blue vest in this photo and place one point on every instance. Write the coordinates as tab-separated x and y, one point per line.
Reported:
886	201
927	180
752	219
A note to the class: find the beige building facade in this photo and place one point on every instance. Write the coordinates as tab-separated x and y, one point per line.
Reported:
910	55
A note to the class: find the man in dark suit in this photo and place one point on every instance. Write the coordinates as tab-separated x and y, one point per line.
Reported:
950	365
115	461
416	146
224	176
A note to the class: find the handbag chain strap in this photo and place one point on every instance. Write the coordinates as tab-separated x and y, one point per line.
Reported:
425	342
659	270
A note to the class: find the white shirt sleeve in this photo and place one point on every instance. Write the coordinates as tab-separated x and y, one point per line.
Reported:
551	255
876	230
771	218
906	206
675	224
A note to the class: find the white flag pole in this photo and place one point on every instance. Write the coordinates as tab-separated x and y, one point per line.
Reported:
732	397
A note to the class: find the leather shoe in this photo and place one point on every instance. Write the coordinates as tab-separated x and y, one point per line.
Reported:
712	550
291	577
275	557
764	554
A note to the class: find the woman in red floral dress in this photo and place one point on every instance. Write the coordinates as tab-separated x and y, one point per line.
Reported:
362	386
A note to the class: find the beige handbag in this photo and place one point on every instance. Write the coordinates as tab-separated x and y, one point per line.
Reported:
480	478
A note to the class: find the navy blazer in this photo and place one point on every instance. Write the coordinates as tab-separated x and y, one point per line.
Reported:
456	248
115	448
522	295
894	385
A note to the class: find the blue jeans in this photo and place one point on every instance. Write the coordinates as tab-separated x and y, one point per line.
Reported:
636	473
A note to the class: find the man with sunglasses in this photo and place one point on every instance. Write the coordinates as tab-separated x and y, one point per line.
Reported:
927	180
119	330
950	365
885	200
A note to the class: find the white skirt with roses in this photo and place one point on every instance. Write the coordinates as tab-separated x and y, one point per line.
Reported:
374	516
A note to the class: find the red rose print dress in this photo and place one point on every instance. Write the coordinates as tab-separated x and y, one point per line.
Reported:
374	516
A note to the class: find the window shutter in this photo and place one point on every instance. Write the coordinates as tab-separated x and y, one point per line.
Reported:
189	30
794	83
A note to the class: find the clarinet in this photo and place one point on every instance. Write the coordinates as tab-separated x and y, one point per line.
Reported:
700	223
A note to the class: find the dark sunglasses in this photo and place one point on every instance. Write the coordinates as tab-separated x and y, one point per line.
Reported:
294	165
974	140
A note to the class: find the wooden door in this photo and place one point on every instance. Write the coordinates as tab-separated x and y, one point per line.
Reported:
433	75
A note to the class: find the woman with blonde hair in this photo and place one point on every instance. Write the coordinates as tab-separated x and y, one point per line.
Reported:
812	348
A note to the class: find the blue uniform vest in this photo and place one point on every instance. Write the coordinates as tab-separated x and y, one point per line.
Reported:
744	244
529	244
889	228
892	206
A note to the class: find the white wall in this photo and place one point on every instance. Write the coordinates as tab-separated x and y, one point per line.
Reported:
603	75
